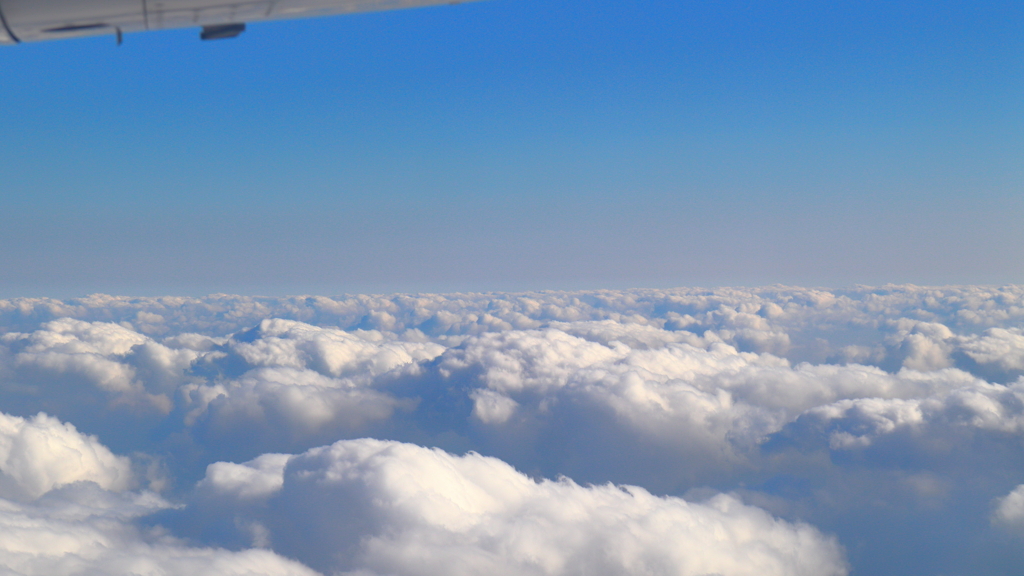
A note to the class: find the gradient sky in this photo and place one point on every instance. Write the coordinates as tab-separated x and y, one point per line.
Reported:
522	144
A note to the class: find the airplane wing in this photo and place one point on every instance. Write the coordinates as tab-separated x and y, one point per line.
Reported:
31	20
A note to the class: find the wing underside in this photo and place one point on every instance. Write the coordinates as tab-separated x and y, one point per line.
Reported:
30	20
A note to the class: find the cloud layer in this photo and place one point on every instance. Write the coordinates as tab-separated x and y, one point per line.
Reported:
378	507
777	418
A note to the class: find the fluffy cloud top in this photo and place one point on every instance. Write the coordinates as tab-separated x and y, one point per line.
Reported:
42	453
70	514
33	543
976	405
425	512
1010	509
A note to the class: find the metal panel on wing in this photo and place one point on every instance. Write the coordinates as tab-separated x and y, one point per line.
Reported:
46	19
303	8
182	13
52	19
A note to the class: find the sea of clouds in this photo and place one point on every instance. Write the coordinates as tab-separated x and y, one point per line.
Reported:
762	432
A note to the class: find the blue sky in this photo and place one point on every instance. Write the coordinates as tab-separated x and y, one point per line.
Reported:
519	144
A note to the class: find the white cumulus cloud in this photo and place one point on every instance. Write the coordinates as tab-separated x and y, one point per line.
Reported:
42	453
377	507
1010	509
65	511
